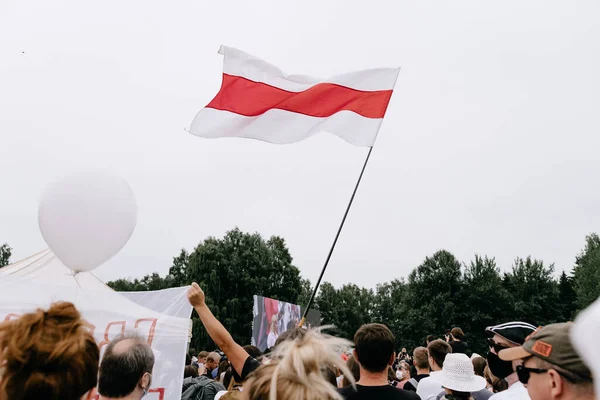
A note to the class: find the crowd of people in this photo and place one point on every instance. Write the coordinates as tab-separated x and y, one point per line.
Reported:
51	355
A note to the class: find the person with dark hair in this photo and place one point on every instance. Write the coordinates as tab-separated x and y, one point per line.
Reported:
479	363
253	351
48	354
126	369
190	371
494	385
456	339
354	367
437	351
421	363
429	339
374	351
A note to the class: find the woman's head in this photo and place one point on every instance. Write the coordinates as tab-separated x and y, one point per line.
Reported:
296	370
457	334
354	368
49	355
479	364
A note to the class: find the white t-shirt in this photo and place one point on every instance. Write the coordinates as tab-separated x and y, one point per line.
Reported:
515	392
429	388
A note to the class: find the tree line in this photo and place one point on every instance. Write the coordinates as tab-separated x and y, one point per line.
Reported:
440	293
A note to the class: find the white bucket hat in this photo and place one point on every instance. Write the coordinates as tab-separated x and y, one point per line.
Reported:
458	374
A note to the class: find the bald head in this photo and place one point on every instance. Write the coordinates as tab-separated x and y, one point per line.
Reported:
126	367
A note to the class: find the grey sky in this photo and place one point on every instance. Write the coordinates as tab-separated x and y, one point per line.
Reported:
490	144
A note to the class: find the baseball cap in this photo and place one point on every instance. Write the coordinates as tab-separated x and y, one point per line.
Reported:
552	344
515	332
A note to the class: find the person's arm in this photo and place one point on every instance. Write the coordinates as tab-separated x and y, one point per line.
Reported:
217	332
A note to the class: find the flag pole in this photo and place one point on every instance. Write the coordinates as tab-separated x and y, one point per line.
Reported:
314	294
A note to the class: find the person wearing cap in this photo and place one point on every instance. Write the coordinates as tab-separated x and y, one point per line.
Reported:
459	381
551	367
505	336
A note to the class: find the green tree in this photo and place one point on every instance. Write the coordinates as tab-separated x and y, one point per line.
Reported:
346	308
389	308
232	270
306	290
586	273
533	291
5	253
433	299
485	301
568	297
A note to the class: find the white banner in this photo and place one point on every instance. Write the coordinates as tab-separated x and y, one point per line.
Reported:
109	314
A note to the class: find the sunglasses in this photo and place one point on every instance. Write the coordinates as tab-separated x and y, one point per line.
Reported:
496	346
524	373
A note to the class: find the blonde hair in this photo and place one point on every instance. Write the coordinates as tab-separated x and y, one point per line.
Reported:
295	372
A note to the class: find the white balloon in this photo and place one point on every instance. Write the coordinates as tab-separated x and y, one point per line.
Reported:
86	219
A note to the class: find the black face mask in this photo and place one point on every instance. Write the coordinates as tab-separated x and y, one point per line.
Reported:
500	369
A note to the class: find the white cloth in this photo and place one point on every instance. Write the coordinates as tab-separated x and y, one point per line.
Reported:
429	388
42	279
271	339
515	392
220	394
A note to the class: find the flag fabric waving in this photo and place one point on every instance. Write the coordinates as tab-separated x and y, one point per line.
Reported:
258	101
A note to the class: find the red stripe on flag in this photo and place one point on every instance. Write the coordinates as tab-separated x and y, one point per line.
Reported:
243	96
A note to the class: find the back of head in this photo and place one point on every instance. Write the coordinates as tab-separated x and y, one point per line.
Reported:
127	364
190	371
253	351
458	333
290	334
296	370
479	364
49	355
214	357
354	368
421	358
438	349
374	347
429	338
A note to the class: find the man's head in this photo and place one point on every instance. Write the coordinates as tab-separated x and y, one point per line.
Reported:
504	336
126	368
551	368
202	357
437	351
374	347
421	358
212	361
429	339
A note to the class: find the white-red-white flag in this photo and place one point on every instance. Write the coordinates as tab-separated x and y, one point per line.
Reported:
257	100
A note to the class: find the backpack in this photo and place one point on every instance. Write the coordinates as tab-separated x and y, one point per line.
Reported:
200	388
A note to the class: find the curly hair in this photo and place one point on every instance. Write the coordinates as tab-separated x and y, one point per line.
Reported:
48	355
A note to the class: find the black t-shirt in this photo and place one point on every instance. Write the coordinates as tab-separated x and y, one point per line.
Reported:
386	392
409	386
249	366
458	346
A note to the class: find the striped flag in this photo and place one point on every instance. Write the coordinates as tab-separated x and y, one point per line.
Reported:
258	101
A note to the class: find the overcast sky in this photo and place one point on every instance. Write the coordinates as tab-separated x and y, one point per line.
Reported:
490	144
